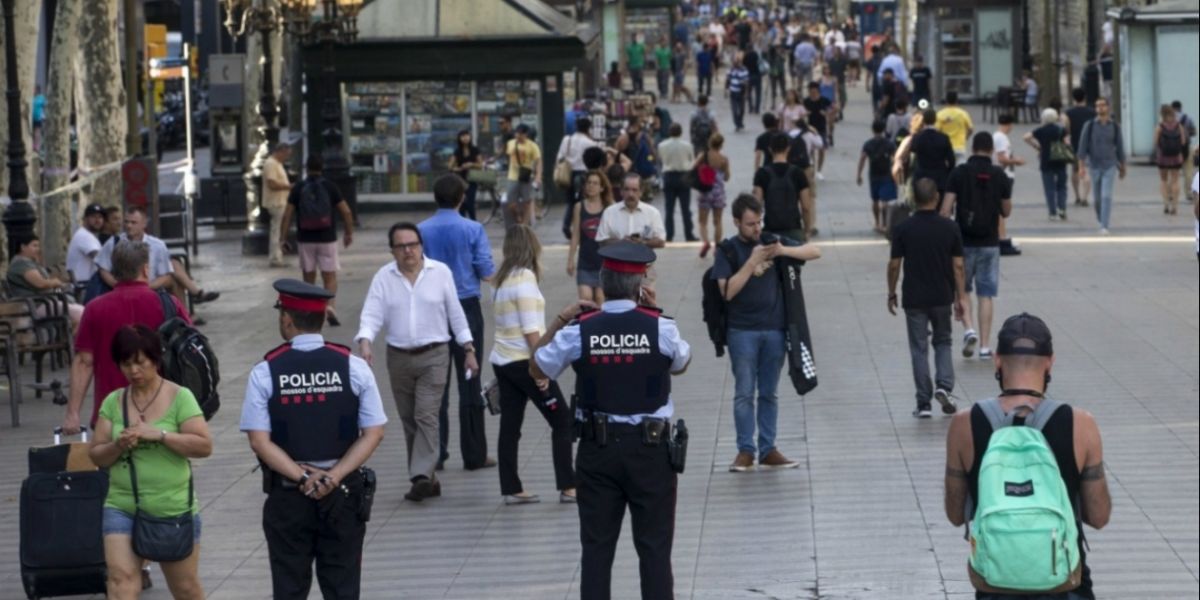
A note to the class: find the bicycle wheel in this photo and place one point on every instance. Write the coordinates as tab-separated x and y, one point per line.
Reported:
496	206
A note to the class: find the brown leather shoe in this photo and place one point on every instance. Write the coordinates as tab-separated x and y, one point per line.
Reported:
776	460
743	463
423	488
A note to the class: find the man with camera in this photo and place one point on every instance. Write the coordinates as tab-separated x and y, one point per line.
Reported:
757	322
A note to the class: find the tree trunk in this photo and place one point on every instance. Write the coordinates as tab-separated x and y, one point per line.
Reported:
100	96
26	20
59	210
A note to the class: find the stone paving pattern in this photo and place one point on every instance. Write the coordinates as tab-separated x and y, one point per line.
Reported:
862	517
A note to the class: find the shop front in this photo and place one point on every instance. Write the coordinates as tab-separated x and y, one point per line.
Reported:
406	94
971	46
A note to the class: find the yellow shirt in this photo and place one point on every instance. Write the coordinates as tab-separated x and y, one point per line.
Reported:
527	155
955	123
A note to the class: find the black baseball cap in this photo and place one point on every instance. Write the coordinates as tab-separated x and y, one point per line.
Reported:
1024	334
93	209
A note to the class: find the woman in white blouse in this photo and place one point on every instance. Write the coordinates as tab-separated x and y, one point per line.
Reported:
520	321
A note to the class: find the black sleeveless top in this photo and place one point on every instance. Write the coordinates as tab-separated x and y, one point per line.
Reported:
1060	434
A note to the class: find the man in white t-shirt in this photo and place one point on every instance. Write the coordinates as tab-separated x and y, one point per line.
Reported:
1003	156
84	246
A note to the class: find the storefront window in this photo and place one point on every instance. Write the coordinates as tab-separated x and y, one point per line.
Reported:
375	137
494	99
402	135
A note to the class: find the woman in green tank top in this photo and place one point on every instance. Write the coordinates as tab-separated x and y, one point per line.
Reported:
158	424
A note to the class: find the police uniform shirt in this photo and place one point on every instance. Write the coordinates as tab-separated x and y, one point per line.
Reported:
566	348
259	389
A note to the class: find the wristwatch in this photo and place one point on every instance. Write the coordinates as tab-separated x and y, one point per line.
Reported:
163	439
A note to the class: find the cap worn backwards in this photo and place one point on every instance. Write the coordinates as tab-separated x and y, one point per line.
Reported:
1024	334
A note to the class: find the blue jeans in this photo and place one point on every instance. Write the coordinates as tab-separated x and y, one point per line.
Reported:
737	105
1102	186
1054	184
757	358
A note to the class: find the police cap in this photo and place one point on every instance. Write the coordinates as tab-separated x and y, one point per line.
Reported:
297	295
626	257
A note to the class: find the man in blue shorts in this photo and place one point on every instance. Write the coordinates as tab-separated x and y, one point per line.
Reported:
877	152
978	193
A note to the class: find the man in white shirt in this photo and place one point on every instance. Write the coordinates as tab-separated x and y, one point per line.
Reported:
571	150
1003	156
85	246
677	158
275	189
631	219
165	273
414	298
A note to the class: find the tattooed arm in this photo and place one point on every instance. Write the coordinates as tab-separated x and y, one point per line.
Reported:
1095	502
959	456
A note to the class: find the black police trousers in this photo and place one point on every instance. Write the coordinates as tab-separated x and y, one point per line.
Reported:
299	530
625	472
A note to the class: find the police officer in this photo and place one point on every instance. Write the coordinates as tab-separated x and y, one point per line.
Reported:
314	416
623	356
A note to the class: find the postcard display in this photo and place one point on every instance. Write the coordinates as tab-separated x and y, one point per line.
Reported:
402	135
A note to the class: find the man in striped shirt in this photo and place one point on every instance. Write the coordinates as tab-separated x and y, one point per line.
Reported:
735	84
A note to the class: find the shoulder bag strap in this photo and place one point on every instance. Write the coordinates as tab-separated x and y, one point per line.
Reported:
129	454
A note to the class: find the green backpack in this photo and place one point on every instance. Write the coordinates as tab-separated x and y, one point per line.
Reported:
1024	536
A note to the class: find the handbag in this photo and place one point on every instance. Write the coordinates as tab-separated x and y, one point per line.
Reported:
524	174
491	396
562	171
160	539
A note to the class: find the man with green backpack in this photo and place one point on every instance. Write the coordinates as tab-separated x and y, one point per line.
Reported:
1024	473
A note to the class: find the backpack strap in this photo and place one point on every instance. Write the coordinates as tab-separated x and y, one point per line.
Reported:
995	415
1037	418
168	306
1041	415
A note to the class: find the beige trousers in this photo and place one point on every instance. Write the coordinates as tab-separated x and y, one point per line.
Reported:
417	384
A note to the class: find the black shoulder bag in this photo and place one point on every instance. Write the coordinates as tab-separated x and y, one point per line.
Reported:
160	539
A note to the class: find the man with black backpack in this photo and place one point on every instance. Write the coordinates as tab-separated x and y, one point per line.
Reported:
314	201
1024	473
756	325
877	152
783	190
702	125
977	194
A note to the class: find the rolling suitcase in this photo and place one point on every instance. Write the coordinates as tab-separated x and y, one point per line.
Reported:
62	544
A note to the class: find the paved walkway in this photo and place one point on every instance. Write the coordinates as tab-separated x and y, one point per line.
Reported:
863	516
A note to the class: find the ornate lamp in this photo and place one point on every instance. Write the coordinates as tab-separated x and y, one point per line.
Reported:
19	217
328	22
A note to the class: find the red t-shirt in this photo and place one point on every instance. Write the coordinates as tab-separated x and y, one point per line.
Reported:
129	303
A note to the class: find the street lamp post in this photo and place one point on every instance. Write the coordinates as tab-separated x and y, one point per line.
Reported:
242	16
336	23
19	217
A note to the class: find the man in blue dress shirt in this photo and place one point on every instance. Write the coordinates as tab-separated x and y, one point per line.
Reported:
624	356
313	415
462	245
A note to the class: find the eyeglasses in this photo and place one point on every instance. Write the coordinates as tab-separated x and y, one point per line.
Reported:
406	247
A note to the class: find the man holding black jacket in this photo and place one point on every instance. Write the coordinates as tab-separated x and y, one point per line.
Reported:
757	322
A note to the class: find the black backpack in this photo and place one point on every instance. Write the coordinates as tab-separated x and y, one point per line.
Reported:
1170	141
781	202
798	152
978	212
713	303
881	156
701	128
314	211
188	358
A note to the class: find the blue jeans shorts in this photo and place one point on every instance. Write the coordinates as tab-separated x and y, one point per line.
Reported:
119	522
883	190
982	265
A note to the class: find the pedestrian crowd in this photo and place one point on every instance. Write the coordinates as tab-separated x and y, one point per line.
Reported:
313	411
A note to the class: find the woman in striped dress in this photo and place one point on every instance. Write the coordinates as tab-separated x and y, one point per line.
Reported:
520	321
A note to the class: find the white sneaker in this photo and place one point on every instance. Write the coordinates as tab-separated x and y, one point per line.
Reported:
985	353
1104	231
820	176
970	340
943	398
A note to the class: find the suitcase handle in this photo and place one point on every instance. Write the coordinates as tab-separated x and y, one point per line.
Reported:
58	432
